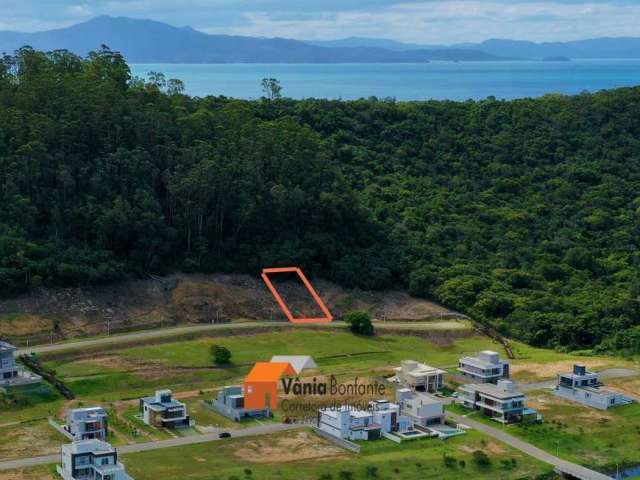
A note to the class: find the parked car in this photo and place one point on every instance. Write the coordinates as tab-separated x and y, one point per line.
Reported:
224	435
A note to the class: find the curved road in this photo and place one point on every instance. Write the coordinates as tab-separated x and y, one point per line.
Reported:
143	447
563	466
177	332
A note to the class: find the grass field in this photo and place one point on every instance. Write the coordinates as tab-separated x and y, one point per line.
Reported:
594	438
279	457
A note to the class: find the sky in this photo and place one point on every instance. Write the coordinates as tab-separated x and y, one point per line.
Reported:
419	21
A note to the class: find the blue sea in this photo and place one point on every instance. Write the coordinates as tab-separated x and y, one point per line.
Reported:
405	81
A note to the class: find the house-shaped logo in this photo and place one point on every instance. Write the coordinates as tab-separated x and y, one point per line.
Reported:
261	385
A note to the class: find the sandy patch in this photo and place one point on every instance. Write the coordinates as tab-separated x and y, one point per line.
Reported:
548	403
489	448
550	369
628	387
299	446
26	474
29	440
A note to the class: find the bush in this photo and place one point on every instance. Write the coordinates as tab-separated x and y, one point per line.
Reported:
359	323
221	355
481	459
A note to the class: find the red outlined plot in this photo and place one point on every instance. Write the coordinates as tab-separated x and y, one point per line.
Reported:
265	276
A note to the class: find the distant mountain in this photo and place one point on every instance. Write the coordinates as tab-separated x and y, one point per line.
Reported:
146	41
623	47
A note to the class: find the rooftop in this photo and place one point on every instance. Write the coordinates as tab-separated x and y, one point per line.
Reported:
90	446
298	362
6	347
493	391
269	371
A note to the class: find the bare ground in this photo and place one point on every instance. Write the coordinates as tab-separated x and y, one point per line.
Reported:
532	370
290	448
182	298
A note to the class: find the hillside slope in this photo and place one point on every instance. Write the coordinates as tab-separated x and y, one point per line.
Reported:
183	298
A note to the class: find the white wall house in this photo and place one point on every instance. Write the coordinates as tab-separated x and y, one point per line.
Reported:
91	460
501	402
421	409
12	374
348	423
485	367
87	423
163	411
388	416
419	376
584	387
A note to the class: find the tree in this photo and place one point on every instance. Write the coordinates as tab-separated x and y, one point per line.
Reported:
359	322
271	88
221	355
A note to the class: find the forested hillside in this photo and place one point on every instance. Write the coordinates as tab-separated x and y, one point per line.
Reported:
525	214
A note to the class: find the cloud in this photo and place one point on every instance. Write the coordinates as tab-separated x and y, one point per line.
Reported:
421	21
457	21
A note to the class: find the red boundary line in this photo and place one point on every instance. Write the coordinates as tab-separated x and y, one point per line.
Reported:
265	276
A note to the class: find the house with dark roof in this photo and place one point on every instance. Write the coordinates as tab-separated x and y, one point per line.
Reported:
163	411
501	402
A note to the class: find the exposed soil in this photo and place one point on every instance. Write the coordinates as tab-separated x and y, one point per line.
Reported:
26	474
490	448
550	369
181	298
300	446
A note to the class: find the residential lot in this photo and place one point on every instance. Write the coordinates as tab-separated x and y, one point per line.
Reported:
301	454
115	378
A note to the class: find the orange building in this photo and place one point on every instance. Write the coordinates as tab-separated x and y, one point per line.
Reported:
261	385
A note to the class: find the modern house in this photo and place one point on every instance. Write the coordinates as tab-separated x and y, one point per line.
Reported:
298	362
584	387
421	409
230	403
12	374
91	460
419	376
348	423
501	402
388	416
87	423
163	411
485	367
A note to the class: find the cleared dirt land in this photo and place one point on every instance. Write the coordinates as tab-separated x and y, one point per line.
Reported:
181	299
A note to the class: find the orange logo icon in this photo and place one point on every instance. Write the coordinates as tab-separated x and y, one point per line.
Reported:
265	276
261	385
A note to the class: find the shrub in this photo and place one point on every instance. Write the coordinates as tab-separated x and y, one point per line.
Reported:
359	322
221	355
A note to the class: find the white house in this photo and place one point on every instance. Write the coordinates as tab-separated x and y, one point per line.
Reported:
163	411
421	409
486	367
230	403
584	387
12	374
501	402
419	376
91	460
87	423
298	362
348	423
388	416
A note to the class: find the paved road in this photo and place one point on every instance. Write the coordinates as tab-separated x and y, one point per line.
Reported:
562	465
607	374
191	329
143	447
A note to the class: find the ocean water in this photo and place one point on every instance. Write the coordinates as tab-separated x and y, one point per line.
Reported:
405	81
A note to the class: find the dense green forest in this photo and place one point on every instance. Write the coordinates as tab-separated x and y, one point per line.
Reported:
524	214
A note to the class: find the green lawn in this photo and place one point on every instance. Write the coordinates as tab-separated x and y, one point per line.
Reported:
272	459
594	438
